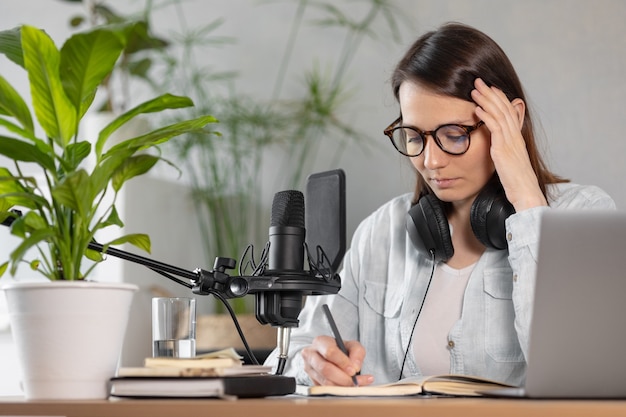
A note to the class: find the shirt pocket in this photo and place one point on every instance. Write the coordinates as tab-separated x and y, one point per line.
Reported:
381	300
501	341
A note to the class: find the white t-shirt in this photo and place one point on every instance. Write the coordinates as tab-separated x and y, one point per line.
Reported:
442	308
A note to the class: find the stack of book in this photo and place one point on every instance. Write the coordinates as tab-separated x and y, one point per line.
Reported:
217	374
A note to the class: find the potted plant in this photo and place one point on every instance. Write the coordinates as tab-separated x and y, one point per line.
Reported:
66	185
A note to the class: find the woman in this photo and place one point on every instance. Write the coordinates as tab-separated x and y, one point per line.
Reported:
463	308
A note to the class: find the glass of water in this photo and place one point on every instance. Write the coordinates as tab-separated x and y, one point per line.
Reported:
174	327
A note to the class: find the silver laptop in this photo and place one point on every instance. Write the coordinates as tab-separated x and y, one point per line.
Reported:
578	331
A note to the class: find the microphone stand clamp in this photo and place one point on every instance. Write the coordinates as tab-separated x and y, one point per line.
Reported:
218	281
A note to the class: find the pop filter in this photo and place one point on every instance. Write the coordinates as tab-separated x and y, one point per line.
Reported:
325	219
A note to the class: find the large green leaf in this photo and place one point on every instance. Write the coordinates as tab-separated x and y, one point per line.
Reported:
12	104
74	192
163	102
12	127
86	59
53	109
103	172
44	147
28	200
14	193
11	45
132	167
3	268
21	151
161	135
22	198
139	240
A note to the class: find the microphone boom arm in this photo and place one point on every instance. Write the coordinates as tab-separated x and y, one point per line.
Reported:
266	288
205	282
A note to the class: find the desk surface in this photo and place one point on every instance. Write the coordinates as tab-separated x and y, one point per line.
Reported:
315	407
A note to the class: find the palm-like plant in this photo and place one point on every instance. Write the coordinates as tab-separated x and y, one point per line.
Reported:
225	175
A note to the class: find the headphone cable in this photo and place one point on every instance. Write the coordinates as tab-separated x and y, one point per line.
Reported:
408	347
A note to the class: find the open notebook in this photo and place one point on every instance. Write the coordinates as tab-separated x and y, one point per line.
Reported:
578	330
454	385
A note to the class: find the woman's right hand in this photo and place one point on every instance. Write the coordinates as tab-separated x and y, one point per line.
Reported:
505	120
326	364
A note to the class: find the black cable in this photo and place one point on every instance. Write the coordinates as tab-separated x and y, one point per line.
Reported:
408	347
168	276
237	326
228	307
157	266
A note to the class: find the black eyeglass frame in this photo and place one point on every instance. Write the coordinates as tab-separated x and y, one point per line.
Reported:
433	133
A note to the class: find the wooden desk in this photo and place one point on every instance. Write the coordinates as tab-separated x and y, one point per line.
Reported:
315	407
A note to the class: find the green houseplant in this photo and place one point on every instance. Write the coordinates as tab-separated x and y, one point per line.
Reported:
67	204
67	185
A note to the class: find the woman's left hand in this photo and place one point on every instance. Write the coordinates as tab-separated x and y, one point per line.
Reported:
505	119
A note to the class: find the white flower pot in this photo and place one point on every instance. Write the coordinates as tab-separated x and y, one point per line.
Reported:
69	335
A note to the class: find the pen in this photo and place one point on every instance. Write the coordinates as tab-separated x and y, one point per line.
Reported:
338	338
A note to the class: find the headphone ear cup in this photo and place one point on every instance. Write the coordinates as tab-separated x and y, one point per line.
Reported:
488	215
428	228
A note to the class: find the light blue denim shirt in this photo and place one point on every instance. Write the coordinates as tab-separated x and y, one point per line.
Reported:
384	280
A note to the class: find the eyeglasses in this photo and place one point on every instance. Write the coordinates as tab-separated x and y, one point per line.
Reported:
410	141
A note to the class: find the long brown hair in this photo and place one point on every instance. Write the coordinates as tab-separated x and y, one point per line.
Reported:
448	61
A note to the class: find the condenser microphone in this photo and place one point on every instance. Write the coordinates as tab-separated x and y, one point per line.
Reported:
318	237
286	259
287	233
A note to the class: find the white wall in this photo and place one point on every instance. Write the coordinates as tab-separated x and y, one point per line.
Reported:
570	55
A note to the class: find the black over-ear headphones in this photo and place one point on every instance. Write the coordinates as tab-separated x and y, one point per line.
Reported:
427	223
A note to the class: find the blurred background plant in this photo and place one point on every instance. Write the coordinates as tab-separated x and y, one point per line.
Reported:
272	140
137	59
